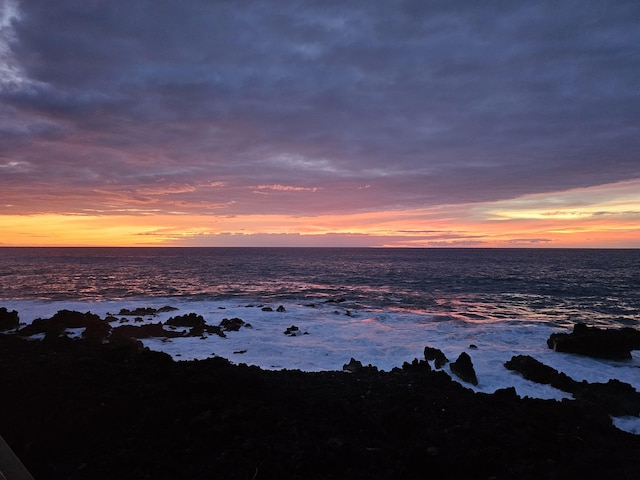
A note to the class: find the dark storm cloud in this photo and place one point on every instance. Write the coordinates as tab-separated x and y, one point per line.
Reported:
424	102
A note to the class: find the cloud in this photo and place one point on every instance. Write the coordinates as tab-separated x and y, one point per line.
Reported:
353	106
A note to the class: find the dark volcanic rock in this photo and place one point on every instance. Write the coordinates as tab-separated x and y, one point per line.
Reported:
416	366
353	366
615	344
463	368
538	372
8	320
143	331
78	411
292	331
232	324
281	309
440	360
95	327
189	320
614	397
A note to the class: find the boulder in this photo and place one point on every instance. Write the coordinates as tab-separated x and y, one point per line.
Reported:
8	320
353	366
189	320
292	331
538	372
281	309
232	324
436	355
614	344
463	369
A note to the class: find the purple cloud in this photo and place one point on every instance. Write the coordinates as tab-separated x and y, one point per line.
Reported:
423	102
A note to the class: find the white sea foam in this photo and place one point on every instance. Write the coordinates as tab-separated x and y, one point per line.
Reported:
331	333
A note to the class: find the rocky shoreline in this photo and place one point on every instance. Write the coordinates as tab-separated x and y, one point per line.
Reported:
81	408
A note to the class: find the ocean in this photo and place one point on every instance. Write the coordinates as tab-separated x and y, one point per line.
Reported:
380	306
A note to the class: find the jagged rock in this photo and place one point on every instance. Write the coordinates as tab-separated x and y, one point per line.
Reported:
143	331
8	320
281	309
189	320
615	397
292	331
416	366
232	324
78	412
615	344
538	372
436	355
267	309
463	369
353	366
95	328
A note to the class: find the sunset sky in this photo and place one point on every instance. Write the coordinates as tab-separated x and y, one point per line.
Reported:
410	123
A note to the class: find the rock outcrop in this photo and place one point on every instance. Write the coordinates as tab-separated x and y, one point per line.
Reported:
8	320
436	355
615	397
463	369
614	344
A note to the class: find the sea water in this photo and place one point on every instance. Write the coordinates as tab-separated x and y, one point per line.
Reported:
379	306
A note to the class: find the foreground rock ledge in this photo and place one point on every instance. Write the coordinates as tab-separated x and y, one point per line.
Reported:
71	409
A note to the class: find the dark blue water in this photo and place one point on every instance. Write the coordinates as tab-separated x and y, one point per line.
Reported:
594	286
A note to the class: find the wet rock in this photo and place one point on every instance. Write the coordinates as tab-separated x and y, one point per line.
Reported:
267	309
232	324
143	331
110	409
463	369
416	366
281	309
55	326
615	344
8	320
189	320
538	372
614	397
292	331
436	355
353	366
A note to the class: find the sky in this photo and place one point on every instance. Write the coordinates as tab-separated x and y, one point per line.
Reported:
408	123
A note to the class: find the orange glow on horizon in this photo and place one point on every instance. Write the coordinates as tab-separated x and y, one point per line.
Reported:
565	219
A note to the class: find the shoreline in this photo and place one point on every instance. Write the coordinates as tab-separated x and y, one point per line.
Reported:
78	409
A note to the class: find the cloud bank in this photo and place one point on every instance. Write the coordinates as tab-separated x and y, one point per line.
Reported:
312	107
